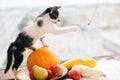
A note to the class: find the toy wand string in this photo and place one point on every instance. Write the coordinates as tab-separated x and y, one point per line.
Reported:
94	13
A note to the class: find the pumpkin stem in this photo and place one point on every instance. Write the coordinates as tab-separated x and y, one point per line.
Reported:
32	48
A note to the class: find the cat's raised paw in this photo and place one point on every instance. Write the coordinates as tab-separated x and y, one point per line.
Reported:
76	28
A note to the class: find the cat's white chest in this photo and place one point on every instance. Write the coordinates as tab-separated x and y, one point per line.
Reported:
34	32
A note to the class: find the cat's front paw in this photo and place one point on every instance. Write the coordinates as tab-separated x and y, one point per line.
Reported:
76	28
46	45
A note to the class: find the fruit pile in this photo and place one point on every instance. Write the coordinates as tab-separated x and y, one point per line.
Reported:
40	73
43	64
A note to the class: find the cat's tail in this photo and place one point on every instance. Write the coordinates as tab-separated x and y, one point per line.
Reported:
9	57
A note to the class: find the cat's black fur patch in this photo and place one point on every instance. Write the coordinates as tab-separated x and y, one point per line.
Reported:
23	40
40	23
16	49
54	14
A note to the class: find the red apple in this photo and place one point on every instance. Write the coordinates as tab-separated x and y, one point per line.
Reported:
50	74
31	76
74	74
57	70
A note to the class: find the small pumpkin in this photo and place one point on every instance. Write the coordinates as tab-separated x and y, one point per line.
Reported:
43	57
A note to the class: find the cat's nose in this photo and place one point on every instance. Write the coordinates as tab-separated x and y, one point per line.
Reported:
58	20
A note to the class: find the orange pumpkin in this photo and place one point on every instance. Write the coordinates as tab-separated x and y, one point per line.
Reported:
43	57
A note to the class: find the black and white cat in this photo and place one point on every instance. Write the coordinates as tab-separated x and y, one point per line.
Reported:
44	23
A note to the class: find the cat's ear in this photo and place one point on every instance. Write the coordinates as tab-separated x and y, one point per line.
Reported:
55	8
40	23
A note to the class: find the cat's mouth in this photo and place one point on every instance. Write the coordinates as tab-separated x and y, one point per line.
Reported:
56	21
